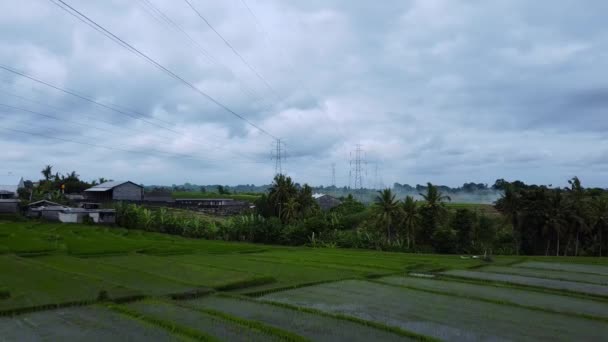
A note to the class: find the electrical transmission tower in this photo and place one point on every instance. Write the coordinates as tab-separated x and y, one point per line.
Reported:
279	157
357	167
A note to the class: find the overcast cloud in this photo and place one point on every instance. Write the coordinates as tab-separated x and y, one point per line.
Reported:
442	91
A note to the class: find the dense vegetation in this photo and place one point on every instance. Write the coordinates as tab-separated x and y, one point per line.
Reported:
288	215
527	219
555	221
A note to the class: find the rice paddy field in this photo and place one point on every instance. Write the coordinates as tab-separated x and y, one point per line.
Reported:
76	282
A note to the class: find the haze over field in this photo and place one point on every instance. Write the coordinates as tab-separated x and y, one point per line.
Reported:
441	91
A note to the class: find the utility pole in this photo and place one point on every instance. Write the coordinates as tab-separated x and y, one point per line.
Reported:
278	156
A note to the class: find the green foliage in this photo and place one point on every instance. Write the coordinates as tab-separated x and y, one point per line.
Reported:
554	221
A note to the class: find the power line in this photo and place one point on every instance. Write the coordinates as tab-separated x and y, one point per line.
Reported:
74	12
63	109
154	153
247	64
110	106
258	23
85	98
176	27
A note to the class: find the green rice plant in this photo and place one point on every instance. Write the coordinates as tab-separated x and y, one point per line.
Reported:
550	274
535	300
574	268
167	325
266	329
305	324
375	325
576	288
212	325
242	284
80	324
290	287
442	316
33	284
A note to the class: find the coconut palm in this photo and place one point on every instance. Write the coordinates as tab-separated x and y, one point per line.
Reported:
556	219
387	210
509	205
47	172
410	219
599	207
578	202
433	197
281	190
290	210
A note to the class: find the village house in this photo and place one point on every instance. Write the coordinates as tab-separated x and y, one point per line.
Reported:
9	193
115	191
326	202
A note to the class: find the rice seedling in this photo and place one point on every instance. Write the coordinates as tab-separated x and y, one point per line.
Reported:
506	295
78	324
442	316
550	274
567	286
578	268
304	322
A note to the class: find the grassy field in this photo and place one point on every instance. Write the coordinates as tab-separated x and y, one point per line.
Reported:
61	281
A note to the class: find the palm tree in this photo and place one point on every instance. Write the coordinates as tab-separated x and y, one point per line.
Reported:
556	219
433	197
290	210
387	210
600	218
509	206
281	190
410	219
577	198
47	172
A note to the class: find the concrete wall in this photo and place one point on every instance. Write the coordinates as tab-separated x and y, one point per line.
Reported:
128	192
72	217
9	207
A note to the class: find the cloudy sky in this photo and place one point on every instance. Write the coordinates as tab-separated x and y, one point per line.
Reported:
442	91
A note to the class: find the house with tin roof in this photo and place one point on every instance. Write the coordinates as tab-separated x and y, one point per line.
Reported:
115	191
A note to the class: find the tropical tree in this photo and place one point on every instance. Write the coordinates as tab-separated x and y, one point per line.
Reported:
556	220
577	218
290	210
434	198
281	190
47	172
509	206
410	220
387	210
433	212
599	207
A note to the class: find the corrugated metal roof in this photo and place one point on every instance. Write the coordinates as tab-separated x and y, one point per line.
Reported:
317	195
108	185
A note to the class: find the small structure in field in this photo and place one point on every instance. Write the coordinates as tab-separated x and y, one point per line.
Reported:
9	194
115	191
326	202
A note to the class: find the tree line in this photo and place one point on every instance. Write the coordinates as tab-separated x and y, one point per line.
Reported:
556	221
